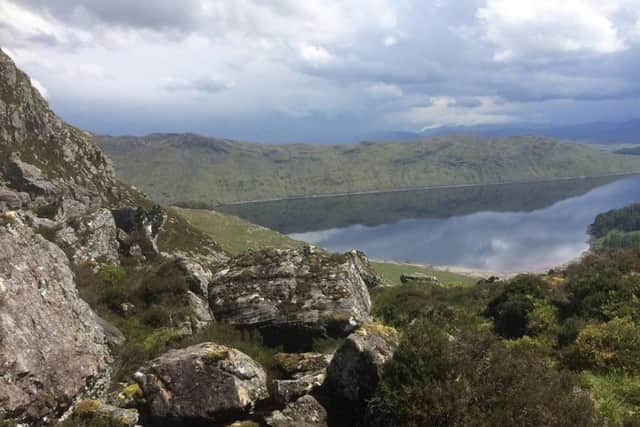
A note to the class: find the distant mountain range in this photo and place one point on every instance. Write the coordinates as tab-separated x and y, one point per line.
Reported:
627	132
196	169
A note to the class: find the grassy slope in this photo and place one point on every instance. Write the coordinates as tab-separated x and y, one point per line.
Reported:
190	168
391	273
234	234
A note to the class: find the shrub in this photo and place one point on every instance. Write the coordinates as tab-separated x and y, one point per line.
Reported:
519	309
156	316
613	345
446	376
112	275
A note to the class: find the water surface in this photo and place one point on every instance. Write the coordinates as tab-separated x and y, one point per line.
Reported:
502	228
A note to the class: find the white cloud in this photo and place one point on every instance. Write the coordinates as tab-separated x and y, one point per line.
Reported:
535	29
445	111
43	90
315	55
390	41
383	90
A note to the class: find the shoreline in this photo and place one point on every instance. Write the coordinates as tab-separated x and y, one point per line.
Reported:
425	188
474	273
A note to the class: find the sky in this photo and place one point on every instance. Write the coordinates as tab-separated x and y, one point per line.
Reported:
326	70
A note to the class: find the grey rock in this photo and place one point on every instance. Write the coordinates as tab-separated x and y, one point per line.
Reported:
25	177
304	412
205	381
13	200
361	263
198	277
113	415
417	278
114	338
296	365
201	315
90	238
356	367
302	372
289	390
53	345
291	288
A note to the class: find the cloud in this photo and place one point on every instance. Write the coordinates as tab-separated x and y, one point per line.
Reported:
390	41
533	29
383	90
302	68
445	111
315	55
205	84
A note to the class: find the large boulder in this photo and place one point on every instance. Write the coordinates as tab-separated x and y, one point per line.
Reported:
53	346
90	238
205	381
304	412
291	289
356	367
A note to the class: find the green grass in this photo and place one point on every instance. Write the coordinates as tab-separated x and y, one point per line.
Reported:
234	234
617	397
193	170
391	273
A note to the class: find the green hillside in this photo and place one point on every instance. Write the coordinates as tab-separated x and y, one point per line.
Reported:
194	169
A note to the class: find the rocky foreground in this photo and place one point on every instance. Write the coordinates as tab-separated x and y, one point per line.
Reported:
62	211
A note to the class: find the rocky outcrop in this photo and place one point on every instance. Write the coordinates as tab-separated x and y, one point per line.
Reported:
53	347
54	158
356	367
304	412
205	381
142	228
13	200
90	238
361	263
104	414
291	289
201	315
198	277
29	179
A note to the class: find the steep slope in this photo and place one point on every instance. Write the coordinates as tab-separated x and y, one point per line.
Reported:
196	169
32	133
62	212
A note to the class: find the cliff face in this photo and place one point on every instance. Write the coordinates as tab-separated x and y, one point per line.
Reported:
32	135
53	346
53	182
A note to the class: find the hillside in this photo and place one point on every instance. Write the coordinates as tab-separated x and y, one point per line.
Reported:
194	169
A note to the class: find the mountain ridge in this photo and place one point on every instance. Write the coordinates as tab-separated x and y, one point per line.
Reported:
189	168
